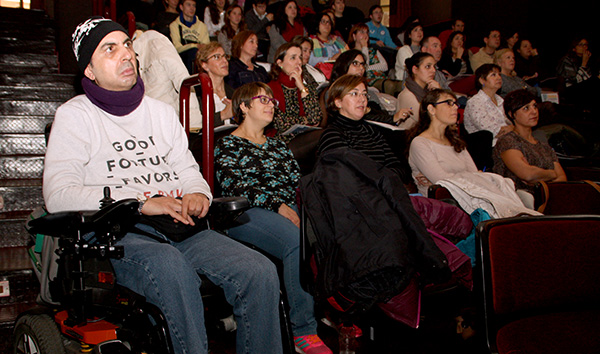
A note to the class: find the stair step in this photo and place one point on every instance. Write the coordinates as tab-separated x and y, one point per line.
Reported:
12	229
21	195
24	124
22	144
21	167
13	45
18	14
29	108
36	93
37	80
28	63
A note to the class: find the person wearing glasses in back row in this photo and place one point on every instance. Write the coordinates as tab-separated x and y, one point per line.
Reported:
263	169
353	62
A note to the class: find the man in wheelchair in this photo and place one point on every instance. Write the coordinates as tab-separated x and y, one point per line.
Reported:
115	136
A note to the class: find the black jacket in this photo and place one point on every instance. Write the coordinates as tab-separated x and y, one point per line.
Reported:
364	221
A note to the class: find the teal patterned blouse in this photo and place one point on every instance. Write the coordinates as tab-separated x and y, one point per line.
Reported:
266	174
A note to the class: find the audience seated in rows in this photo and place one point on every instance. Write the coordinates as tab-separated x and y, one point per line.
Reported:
166	16
413	45
505	59
326	46
346	105
307	47
455	58
484	110
576	78
187	31
295	90
421	73
518	154
243	68
234	23
93	128
527	62
485	55
286	25
345	17
458	25
263	169
353	62
377	66
258	21
214	17
437	155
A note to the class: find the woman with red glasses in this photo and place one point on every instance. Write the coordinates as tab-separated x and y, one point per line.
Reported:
264	170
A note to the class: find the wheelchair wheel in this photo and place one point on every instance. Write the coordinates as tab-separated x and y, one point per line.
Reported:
37	334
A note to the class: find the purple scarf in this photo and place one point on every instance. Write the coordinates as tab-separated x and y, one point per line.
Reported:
117	103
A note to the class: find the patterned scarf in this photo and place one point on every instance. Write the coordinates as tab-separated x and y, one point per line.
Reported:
277	86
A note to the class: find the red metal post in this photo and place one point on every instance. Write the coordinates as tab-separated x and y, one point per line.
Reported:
207	108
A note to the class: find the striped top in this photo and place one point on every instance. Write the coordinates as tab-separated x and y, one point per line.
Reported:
344	132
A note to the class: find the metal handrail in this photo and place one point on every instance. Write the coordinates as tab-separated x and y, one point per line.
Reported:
207	107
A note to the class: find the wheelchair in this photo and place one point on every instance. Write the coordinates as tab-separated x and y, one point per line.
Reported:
81	307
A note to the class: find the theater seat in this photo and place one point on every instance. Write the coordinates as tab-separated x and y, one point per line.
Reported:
538	278
567	198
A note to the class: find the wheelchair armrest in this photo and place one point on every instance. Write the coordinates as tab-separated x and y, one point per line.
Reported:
114	218
65	223
225	210
229	205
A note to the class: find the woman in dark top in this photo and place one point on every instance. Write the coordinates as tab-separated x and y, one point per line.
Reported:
347	101
353	62
242	67
455	59
263	170
520	156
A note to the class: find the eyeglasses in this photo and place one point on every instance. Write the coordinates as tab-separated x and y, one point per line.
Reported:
357	63
355	94
266	99
449	102
325	22
218	56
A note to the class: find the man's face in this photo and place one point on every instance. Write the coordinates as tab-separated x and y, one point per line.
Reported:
377	15
458	26
260	8
339	6
493	40
113	65
188	8
433	47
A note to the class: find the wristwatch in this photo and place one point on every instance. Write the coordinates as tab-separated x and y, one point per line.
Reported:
304	90
141	199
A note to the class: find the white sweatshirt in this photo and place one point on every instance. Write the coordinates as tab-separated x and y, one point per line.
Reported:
141	154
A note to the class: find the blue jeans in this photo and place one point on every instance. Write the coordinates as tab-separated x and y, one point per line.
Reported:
166	274
279	237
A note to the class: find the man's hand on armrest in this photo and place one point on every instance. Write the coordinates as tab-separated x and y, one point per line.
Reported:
195	204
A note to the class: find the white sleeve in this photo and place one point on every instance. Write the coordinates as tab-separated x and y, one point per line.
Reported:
424	160
68	152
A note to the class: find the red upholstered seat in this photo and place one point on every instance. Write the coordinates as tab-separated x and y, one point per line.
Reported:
555	333
567	198
540	283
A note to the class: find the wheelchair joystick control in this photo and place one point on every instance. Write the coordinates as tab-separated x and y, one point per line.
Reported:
107	200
